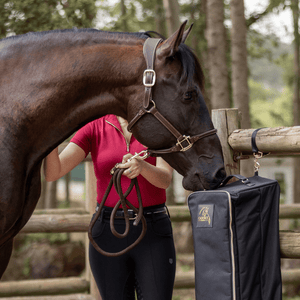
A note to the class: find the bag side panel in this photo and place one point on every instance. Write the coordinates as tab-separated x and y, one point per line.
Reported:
249	244
213	264
256	211
271	271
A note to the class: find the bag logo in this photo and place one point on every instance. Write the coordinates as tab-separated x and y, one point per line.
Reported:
205	215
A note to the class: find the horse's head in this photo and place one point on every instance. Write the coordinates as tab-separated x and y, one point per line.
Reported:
177	96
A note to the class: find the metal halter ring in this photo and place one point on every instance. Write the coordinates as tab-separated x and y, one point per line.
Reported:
154	106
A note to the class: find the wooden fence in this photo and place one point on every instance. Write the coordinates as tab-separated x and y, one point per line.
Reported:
77	220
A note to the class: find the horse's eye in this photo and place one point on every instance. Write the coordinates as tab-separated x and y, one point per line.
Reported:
188	96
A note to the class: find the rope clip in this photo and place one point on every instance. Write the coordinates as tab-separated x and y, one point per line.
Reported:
142	155
257	156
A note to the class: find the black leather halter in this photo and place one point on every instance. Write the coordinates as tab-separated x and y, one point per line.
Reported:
183	142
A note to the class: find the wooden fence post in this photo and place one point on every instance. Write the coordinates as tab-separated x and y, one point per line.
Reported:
226	121
91	202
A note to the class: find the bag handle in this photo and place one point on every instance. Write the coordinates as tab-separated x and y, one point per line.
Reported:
238	176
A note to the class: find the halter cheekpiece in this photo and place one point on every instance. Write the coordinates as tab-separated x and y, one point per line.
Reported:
184	142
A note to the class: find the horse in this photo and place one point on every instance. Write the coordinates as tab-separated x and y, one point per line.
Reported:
54	82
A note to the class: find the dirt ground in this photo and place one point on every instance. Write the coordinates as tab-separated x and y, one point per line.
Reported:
188	294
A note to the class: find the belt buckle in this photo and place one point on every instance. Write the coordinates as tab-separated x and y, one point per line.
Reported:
133	218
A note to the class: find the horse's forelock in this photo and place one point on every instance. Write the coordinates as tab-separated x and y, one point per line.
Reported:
191	66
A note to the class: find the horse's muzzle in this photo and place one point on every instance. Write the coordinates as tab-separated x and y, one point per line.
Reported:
199	181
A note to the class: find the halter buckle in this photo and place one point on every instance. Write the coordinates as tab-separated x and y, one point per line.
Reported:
185	139
149	72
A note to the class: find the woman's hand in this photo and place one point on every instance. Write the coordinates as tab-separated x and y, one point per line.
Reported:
134	167
159	175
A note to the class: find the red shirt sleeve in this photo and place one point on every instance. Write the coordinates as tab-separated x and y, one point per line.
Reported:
83	138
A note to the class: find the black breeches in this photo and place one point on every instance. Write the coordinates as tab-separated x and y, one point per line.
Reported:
148	269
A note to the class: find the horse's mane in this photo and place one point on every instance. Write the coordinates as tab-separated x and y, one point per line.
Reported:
120	35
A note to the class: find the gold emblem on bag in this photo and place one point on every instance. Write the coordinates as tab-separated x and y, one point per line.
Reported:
205	215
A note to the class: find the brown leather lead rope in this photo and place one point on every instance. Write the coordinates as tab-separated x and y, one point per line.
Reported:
116	181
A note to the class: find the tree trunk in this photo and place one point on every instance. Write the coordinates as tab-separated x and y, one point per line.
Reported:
123	16
216	40
160	24
50	200
172	15
239	52
67	184
194	37
296	100
240	90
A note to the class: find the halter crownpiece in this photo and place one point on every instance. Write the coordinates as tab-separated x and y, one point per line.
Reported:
184	142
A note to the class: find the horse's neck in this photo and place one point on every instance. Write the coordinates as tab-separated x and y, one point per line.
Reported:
70	86
98	83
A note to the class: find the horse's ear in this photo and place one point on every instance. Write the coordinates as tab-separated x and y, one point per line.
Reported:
170	46
186	33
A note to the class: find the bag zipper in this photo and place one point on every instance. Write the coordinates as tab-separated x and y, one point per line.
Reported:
127	142
232	247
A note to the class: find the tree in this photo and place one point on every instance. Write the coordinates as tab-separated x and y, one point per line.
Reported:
22	16
217	60
172	15
159	17
195	12
296	98
123	16
239	63
272	5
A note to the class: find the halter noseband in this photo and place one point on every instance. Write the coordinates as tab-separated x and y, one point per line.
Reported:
184	142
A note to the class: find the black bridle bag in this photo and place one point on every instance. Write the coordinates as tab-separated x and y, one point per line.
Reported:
236	240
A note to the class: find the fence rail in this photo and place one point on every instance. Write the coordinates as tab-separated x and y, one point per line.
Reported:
283	140
36	287
60	297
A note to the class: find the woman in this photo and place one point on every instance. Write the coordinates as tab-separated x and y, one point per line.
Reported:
150	266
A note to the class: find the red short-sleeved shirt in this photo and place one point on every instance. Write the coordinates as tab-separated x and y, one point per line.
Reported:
104	139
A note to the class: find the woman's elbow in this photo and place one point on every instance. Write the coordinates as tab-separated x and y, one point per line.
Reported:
167	181
50	178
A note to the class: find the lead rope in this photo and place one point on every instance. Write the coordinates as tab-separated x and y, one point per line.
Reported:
116	181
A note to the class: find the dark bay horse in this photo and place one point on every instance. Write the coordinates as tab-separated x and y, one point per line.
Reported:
52	83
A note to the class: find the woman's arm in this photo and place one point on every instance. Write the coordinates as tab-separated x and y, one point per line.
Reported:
56	166
159	175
